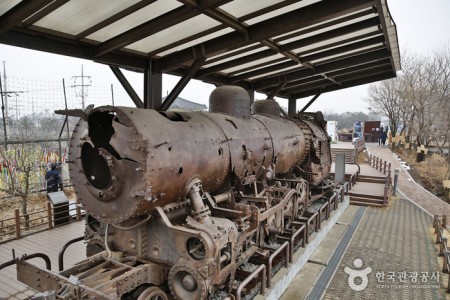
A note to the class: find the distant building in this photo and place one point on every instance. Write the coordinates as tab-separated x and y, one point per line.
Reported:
186	105
332	130
372	131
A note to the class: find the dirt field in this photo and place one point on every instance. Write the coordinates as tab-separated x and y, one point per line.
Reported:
429	169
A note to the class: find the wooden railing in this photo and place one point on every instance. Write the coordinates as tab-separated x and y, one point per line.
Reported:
380	165
440	226
46	218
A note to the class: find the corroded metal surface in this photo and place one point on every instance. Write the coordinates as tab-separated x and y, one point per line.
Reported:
194	197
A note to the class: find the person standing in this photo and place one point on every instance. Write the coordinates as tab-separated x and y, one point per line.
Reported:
52	179
380	135
383	138
60	176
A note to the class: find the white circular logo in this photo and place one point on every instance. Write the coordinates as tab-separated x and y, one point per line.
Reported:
353	274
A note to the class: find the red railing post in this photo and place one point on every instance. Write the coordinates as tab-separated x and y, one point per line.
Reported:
17	222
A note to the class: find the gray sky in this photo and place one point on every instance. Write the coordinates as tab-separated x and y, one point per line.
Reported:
422	26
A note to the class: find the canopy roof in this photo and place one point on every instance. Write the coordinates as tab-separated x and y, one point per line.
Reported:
290	49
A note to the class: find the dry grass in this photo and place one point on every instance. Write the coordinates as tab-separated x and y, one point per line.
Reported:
430	173
36	206
9	205
362	157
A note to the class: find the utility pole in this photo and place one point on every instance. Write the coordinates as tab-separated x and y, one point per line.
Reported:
5	94
112	94
3	115
85	82
5	89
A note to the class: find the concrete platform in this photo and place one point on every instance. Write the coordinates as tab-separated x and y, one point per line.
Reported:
309	274
284	278
303	282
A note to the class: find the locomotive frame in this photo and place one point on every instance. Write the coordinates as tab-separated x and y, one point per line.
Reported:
245	192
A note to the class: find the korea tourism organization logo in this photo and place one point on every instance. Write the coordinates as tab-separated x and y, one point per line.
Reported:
358	278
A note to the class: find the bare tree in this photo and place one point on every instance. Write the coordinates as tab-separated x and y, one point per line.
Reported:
418	99
426	83
385	99
442	65
22	162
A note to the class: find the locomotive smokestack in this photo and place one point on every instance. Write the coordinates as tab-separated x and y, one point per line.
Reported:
268	107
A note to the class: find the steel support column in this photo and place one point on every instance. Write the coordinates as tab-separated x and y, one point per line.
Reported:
292	106
251	93
152	88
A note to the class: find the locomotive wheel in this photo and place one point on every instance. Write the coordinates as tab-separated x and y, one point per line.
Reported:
153	293
302	189
186	283
290	210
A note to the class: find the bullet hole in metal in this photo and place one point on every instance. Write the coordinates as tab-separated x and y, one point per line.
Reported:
232	123
101	131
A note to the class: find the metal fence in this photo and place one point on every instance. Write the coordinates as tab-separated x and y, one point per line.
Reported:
440	226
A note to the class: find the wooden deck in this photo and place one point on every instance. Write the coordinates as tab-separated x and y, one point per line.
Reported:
48	242
369	188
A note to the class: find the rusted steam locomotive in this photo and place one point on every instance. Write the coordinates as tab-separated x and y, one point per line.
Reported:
178	201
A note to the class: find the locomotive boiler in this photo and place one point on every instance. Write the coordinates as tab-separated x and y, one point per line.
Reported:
178	201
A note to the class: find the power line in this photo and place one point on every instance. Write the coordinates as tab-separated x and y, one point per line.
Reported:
83	92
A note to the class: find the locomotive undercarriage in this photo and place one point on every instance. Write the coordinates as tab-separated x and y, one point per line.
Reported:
193	205
206	245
